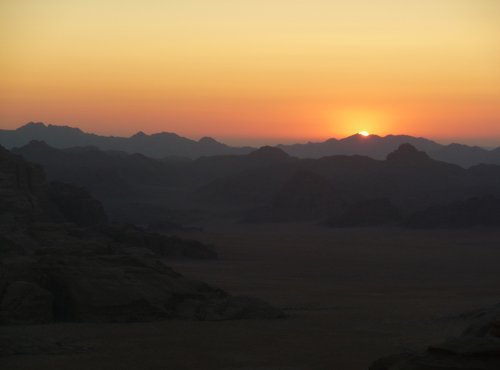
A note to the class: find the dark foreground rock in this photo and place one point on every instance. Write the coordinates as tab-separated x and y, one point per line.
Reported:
76	204
14	344
61	261
478	348
112	288
130	236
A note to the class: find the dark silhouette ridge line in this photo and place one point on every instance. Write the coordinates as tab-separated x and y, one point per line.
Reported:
269	185
167	144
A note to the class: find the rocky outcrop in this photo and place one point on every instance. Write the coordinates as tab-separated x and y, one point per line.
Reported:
270	153
408	153
76	204
60	261
130	236
26	302
113	288
477	349
22	190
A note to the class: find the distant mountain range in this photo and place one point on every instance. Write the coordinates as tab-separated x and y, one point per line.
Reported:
270	185
160	145
164	144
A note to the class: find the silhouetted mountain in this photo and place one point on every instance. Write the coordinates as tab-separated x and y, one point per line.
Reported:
269	153
58	269
266	185
466	156
158	145
119	179
332	186
379	147
115	171
408	153
165	144
372	146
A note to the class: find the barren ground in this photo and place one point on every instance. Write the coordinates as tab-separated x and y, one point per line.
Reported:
352	296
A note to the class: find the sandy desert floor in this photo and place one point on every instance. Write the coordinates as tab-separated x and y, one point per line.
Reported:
352	296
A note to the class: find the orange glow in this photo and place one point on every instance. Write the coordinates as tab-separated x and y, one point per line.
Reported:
348	121
269	70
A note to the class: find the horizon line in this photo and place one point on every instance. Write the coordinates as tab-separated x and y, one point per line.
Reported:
262	141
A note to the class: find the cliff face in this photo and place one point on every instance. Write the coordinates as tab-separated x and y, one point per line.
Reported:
75	204
26	197
22	189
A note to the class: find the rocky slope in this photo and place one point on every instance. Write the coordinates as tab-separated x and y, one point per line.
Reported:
61	261
478	348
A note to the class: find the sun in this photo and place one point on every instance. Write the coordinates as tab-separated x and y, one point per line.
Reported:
364	133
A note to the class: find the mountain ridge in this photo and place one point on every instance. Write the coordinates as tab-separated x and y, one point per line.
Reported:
169	144
266	185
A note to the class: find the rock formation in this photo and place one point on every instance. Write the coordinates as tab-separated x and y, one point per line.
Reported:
60	261
478	348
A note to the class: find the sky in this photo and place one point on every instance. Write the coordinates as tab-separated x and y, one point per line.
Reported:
254	71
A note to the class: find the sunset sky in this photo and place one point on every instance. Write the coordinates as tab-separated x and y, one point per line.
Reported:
248	71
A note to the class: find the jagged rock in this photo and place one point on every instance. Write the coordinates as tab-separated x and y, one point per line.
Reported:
130	236
22	186
26	199
25	302
114	288
270	153
76	204
66	272
408	153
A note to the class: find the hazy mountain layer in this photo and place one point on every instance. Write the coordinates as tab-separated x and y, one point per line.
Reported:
165	144
267	185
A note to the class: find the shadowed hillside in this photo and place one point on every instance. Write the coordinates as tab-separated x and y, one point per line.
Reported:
165	144
266	185
62	261
158	145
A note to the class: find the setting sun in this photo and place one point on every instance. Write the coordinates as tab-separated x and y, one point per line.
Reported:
253	71
364	133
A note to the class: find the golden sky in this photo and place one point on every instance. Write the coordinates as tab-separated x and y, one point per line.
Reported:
254	70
